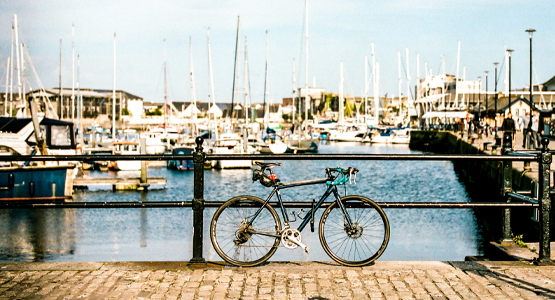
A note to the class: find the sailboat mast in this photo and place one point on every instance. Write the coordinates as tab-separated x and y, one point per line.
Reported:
80	109
212	94
265	84
245	86
294	94
23	80
400	80
307	100
114	95
18	64
374	86
235	67
61	96
340	119
377	96
408	82
365	88
7	87
165	91
193	93
11	71
72	73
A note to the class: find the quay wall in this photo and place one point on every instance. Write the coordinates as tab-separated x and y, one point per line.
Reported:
483	181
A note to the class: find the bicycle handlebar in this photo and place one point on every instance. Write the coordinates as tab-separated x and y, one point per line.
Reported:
343	175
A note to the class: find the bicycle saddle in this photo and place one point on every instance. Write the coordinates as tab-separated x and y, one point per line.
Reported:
268	165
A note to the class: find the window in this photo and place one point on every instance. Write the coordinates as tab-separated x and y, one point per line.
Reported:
60	135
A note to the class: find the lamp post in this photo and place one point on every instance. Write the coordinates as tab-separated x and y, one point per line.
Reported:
479	95
487	114
496	96
509	52
530	32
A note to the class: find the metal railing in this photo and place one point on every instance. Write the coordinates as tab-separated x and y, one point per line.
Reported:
543	157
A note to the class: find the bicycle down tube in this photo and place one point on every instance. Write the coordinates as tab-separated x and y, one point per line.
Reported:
290	185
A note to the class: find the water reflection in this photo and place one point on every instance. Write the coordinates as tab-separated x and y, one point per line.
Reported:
145	234
33	235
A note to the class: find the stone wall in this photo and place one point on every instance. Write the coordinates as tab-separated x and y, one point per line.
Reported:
483	181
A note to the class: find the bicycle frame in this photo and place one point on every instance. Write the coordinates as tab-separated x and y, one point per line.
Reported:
330	189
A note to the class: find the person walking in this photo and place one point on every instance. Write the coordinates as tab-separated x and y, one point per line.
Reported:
509	125
535	141
525	132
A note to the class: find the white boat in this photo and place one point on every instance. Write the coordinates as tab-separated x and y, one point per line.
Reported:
349	134
271	143
383	136
126	148
274	147
153	142
304	143
230	143
49	180
401	136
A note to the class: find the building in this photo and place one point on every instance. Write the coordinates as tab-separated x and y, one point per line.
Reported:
97	104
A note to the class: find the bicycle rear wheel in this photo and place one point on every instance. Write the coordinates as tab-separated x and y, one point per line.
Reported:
243	245
364	241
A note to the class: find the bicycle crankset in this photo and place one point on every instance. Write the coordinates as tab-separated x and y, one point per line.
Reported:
291	239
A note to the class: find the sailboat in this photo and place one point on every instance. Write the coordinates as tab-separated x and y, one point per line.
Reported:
301	140
271	142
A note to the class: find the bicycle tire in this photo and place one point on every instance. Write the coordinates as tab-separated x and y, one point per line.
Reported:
362	245
225	231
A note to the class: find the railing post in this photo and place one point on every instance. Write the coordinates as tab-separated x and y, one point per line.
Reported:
198	202
545	159
507	187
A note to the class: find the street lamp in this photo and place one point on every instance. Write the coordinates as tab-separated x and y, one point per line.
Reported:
509	52
496	96
486	94
479	96
530	32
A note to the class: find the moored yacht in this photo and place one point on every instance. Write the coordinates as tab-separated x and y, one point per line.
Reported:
230	143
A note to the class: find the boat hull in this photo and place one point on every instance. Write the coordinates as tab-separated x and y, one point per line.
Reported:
36	183
125	165
304	145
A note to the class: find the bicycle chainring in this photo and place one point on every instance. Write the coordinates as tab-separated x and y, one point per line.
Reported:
288	236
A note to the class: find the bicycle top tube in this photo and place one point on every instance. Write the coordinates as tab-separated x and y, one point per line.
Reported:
301	183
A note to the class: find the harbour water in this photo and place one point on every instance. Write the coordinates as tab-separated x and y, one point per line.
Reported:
164	234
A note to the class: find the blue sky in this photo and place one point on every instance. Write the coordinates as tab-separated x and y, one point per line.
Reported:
338	31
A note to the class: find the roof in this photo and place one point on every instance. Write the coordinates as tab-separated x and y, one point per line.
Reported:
550	82
13	125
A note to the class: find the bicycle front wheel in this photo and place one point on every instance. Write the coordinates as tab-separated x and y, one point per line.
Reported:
237	242
363	241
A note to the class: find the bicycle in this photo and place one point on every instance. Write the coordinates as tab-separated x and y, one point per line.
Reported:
353	230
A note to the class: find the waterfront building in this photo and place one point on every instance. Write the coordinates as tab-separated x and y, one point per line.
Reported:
444	98
97	104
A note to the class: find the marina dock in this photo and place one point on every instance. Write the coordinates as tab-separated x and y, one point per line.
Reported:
119	184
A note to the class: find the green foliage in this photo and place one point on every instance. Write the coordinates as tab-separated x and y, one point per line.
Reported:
518	240
156	112
125	112
286	118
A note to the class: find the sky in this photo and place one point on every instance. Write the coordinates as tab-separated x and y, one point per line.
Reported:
338	31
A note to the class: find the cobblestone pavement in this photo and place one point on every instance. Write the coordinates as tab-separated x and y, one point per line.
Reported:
301	280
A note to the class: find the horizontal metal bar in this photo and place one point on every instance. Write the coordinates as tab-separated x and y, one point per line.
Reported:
160	204
522	197
275	157
527	153
529	193
368	157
